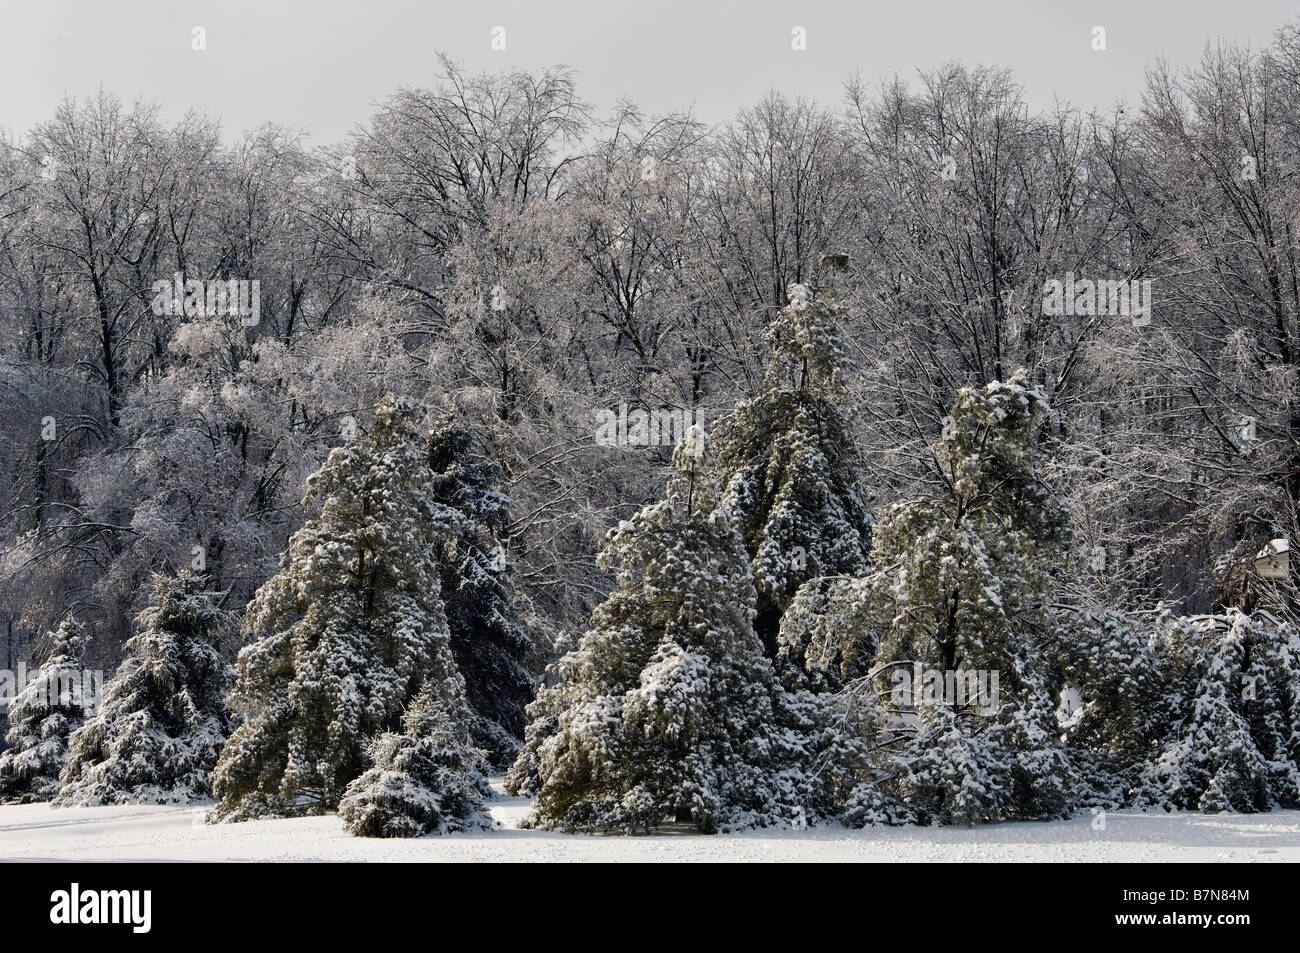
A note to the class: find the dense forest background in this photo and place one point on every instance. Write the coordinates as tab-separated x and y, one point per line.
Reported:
492	247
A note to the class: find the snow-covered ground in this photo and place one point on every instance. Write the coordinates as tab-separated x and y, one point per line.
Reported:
40	832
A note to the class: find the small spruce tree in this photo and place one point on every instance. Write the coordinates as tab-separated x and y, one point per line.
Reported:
42	717
163	719
425	780
1108	658
1233	736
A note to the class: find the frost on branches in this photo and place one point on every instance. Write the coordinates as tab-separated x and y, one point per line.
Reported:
789	469
163	720
346	633
42	717
963	587
490	646
1233	740
664	709
425	780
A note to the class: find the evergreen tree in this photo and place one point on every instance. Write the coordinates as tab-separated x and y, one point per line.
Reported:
1233	740
665	707
1121	681
163	720
789	467
490	646
345	634
425	780
963	589
43	715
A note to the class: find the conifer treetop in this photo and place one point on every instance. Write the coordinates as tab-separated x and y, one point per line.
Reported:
809	351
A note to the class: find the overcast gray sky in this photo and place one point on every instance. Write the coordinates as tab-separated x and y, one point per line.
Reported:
322	65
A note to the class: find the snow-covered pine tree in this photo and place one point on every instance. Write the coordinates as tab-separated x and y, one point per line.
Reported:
490	646
1233	742
345	634
664	709
425	780
963	588
163	719
789	468
43	715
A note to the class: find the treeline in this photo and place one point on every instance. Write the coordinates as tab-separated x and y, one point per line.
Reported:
771	652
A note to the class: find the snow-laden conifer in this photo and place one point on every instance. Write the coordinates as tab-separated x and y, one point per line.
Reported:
1233	738
490	646
424	780
343	637
1112	707
163	720
788	466
42	716
962	589
664	709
